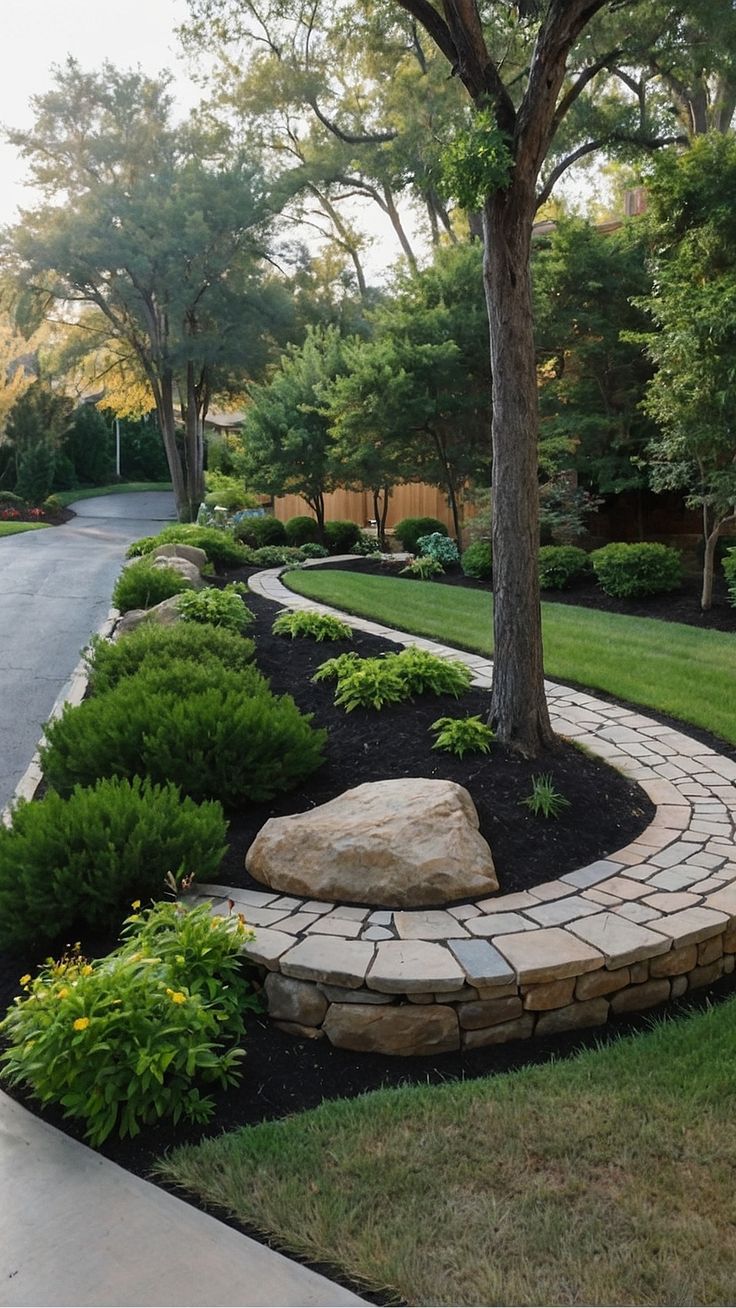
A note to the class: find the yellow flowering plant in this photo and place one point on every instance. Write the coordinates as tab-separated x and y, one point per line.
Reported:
124	1040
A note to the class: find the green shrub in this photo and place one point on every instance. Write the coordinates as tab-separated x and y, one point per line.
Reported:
78	862
462	736
409	530
629	570
258	532
9	500
312	551
392	678
124	1041
36	472
366	544
340	537
440	548
315	626
231	498
729	568
140	586
218	543
217	608
424	568
477	560
301	529
52	504
561	564
544	800
227	738
155	647
276	556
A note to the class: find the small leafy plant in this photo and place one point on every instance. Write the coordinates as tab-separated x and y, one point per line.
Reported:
218	608
126	1040
423	673
477	560
315	626
140	586
311	550
276	556
366	544
544	800
370	683
423	568
392	678
439	547
462	736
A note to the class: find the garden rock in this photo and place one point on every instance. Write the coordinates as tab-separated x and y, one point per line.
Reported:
406	843
164	614
176	550
189	571
407	1030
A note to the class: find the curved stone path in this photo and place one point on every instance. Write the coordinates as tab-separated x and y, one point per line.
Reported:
622	934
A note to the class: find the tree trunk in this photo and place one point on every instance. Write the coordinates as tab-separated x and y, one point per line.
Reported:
164	395
397	225
193	448
380	511
709	556
518	705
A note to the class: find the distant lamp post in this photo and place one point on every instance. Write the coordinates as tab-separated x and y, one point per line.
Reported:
117	448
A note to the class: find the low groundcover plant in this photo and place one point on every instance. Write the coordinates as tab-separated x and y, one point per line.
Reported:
129	1038
316	626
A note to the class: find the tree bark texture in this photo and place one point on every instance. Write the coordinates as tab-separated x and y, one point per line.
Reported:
518	705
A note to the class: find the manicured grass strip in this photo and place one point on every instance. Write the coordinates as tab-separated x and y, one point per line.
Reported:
12	528
671	667
121	488
606	1179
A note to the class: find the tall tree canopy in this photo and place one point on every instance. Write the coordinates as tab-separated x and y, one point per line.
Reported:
159	231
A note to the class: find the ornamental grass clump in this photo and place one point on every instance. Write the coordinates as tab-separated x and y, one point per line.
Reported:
153	647
131	1038
302	623
217	608
217	734
77	862
140	586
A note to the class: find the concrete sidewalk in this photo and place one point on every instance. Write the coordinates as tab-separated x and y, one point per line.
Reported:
76	1229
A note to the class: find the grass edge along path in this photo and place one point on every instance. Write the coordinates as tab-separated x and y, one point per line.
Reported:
604	1179
675	669
121	488
15	528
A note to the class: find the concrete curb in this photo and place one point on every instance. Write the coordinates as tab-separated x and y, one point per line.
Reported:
72	693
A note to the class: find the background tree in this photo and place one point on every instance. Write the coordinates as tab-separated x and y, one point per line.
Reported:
692	395
288	448
157	232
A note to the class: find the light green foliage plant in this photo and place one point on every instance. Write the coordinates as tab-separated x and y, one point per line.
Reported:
424	673
315	626
370	683
561	564
366	544
218	608
152	646
311	550
423	568
626	571
276	556
477	560
462	736
440	548
392	678
77	862
476	162
218	543
128	1039
222	736
545	801
140	586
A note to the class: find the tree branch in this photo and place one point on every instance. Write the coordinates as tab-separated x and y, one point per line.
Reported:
587	75
348	138
644	143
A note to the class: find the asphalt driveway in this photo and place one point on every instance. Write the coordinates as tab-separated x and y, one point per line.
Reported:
55	589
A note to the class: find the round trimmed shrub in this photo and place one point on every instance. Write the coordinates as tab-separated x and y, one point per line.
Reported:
301	529
729	568
258	532
340	536
140	586
626	571
78	862
151	646
312	551
477	560
275	556
409	530
218	543
561	564
225	737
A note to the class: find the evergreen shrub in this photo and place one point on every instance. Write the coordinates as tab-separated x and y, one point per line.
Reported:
409	530
627	571
140	586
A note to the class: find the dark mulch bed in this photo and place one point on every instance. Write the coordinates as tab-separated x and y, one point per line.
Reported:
51	519
682	605
605	813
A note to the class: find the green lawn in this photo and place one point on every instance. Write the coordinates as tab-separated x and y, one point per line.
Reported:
120	488
605	1179
12	528
679	670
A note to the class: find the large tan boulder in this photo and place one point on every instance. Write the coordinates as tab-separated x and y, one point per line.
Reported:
409	843
178	550
189	571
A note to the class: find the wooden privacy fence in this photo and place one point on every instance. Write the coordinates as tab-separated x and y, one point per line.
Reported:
414	500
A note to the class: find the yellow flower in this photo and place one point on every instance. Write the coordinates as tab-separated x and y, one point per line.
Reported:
87	970
134	917
62	993
25	979
180	960
81	1024
176	996
136	903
